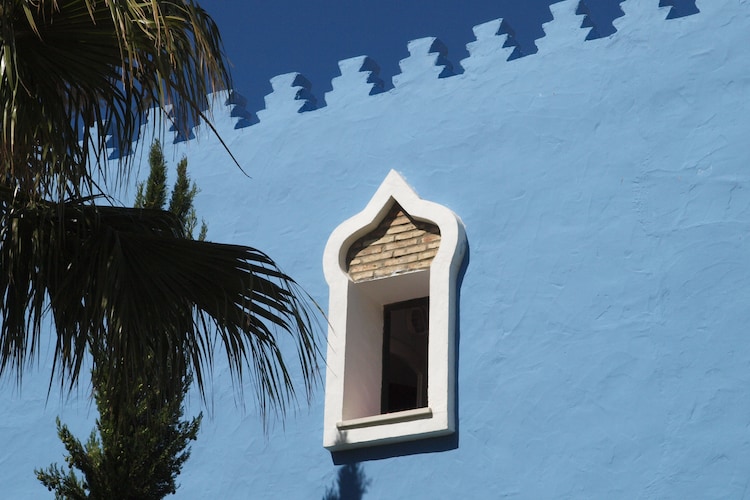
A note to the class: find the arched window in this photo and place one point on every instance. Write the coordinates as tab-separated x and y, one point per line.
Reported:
392	272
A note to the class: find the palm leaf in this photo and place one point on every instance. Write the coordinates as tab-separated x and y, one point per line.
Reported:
76	75
68	65
127	281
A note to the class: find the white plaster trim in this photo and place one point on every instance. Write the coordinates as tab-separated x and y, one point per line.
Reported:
356	305
387	418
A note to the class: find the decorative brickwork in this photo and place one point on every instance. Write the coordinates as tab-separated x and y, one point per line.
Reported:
398	245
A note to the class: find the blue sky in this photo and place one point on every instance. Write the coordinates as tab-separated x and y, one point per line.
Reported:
264	38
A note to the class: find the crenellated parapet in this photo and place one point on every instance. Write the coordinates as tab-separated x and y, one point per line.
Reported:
572	27
495	43
566	27
237	102
291	94
359	78
428	59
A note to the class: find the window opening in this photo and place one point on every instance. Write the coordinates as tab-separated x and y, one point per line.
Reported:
392	271
405	355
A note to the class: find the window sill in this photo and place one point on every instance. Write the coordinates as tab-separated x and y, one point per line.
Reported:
387	418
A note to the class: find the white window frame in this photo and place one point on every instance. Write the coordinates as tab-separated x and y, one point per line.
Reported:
355	334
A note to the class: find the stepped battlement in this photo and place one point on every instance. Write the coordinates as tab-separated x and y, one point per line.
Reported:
572	28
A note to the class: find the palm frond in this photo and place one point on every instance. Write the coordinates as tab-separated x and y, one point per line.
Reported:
126	280
77	73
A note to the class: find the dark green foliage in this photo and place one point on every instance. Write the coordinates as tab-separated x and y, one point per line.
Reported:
72	62
181	202
142	444
139	460
155	195
81	76
88	458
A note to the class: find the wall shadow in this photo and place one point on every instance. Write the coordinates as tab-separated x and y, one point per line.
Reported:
351	484
422	446
680	8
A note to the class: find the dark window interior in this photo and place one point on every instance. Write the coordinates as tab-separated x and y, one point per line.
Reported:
405	338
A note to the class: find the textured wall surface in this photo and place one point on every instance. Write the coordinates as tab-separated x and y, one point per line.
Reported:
605	189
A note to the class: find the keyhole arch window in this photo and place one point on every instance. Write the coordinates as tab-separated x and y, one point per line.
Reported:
392	271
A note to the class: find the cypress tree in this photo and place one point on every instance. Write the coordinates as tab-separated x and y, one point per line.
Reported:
181	202
139	461
140	455
155	195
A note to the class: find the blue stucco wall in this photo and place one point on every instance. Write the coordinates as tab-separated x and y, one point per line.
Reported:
605	190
